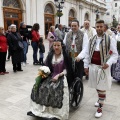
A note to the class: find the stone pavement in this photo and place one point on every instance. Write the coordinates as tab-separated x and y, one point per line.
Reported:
15	89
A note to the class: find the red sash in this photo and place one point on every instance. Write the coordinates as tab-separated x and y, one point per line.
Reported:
96	58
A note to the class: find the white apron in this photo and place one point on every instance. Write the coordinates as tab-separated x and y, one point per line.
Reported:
99	78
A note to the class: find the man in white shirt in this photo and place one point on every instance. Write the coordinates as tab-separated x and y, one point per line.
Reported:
100	55
76	44
108	31
88	29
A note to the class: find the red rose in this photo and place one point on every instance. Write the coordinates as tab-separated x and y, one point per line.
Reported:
73	46
110	52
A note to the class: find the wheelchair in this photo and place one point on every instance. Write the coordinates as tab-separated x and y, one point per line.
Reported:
76	91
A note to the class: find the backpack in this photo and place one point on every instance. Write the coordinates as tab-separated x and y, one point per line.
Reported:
30	34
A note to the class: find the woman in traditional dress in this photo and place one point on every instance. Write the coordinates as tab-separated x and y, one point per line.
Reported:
57	61
116	67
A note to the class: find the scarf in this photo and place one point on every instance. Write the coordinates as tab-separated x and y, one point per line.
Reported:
104	47
89	32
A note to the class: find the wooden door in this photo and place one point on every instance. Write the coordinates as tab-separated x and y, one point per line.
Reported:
49	21
12	16
70	20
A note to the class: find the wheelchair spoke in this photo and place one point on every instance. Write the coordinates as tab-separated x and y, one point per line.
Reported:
76	93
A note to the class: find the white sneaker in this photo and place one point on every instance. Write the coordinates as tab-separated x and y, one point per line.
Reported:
98	114
97	104
24	64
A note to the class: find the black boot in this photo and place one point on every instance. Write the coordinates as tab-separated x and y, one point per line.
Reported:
42	61
30	114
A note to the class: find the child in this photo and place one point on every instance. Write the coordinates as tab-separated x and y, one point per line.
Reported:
41	50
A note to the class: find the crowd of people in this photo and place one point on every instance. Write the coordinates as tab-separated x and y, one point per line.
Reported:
93	50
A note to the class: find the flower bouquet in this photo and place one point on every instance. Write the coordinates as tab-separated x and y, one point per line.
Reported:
44	71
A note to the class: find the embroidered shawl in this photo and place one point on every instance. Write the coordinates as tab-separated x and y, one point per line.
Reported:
89	32
104	47
78	41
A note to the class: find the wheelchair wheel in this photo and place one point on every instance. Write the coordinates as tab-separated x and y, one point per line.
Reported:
76	93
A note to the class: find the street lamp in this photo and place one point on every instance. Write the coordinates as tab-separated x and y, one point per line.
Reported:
59	4
97	14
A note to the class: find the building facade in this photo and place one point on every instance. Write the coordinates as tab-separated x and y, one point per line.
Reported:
43	12
113	11
109	13
116	9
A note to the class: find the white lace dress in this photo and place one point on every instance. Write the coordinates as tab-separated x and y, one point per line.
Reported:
49	112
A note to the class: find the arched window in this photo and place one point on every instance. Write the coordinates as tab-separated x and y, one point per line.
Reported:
71	17
11	3
86	16
72	13
48	18
49	9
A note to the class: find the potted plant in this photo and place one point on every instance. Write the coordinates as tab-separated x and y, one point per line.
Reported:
59	14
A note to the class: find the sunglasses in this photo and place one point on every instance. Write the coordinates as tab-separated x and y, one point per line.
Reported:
1	29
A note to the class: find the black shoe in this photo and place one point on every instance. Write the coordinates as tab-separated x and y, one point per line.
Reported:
20	70
14	71
35	63
43	118
54	118
30	114
87	77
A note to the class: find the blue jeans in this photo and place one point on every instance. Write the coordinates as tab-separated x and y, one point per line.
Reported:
25	50
41	55
35	50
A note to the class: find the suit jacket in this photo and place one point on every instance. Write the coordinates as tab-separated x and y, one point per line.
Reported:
59	34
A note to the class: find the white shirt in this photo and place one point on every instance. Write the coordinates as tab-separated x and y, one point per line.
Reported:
92	29
73	43
118	36
113	58
82	54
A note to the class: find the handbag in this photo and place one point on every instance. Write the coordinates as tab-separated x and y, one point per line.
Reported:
20	45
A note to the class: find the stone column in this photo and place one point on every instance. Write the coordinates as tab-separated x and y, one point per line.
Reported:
1	14
40	15
33	11
27	12
81	17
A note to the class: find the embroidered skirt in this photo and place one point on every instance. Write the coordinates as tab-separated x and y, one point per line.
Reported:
49	112
98	78
115	71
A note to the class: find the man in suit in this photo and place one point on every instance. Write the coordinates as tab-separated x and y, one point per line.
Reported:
59	33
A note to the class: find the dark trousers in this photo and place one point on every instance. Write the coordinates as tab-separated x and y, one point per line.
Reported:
8	57
77	72
79	69
2	61
25	50
17	66
35	50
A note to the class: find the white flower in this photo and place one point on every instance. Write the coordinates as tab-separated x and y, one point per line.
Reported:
45	69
